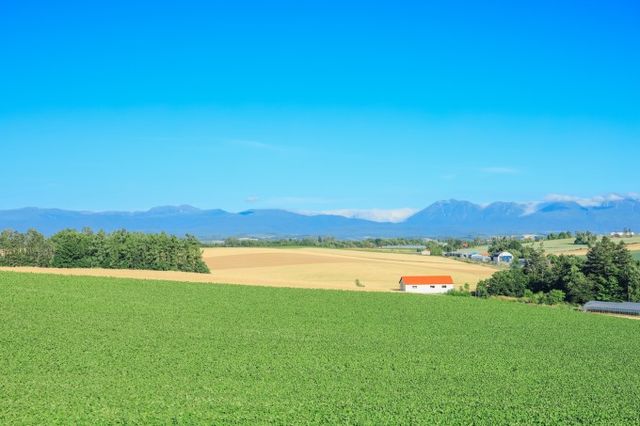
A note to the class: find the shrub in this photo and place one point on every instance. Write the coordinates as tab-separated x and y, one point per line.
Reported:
459	293
539	298
527	297
512	282
555	297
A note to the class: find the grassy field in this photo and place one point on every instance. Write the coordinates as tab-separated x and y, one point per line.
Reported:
565	246
307	268
85	350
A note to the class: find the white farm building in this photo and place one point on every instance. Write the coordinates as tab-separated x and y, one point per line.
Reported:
504	257
428	284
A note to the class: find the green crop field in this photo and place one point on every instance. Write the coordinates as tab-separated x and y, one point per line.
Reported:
558	246
78	350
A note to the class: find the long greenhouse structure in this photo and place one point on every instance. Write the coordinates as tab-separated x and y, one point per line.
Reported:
623	308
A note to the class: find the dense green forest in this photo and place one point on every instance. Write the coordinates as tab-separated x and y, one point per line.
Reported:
609	273
88	249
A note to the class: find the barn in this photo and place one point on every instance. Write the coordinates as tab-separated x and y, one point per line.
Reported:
427	284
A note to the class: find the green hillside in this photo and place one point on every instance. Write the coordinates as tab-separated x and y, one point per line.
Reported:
78	350
567	245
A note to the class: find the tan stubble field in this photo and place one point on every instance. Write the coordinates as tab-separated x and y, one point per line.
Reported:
304	268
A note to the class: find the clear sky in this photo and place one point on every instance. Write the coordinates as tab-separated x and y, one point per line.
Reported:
317	105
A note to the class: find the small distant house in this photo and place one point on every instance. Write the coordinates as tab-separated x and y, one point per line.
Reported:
504	257
427	284
619	234
426	252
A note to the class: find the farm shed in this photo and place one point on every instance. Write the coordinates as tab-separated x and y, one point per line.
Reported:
623	308
458	254
504	257
427	284
477	257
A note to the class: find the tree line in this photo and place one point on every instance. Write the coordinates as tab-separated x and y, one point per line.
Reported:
559	235
586	238
437	247
499	244
324	242
116	250
608	273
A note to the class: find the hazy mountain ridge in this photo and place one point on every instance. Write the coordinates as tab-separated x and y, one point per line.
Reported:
443	218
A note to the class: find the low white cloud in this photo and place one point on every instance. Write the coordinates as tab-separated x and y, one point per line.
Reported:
530	208
401	214
588	201
375	215
595	201
500	170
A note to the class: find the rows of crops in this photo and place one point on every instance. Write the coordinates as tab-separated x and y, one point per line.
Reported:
88	350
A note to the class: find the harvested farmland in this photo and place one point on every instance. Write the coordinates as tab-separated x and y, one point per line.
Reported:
88	350
305	268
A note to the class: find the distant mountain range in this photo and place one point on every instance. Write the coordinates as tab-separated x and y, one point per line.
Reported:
442	219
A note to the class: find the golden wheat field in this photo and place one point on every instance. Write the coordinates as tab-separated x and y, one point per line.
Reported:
304	268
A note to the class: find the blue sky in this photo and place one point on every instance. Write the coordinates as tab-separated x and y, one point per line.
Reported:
316	106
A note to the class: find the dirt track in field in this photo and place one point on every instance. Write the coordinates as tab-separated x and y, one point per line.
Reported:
303	268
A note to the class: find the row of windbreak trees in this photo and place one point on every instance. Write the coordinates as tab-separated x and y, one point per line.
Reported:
608	273
88	249
437	247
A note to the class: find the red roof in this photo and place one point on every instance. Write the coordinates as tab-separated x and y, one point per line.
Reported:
427	279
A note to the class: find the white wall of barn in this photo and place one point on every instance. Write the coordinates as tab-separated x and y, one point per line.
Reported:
427	289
